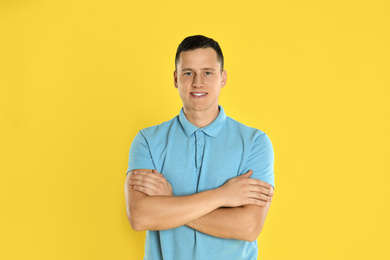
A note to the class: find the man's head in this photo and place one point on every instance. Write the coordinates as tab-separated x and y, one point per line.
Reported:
197	42
199	75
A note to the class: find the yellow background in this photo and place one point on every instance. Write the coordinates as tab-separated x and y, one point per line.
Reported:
80	78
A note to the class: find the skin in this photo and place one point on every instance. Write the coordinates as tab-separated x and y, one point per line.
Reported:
237	209
199	71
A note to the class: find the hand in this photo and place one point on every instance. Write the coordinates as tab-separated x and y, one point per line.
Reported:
150	182
243	190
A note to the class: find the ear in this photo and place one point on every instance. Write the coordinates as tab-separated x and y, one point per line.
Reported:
224	77
175	78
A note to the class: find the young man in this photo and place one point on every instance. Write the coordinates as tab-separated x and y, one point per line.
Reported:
201	184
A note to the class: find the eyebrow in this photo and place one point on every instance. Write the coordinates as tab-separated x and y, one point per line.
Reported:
200	69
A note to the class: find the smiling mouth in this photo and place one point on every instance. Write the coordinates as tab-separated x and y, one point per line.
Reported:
198	94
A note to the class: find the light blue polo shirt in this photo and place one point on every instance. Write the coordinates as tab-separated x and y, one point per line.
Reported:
196	159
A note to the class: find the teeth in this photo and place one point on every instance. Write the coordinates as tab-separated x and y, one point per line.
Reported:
199	94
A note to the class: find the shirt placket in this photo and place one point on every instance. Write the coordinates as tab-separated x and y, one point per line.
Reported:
199	143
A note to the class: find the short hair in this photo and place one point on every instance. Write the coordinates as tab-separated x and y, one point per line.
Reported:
197	42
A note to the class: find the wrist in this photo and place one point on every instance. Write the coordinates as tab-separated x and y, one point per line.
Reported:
220	197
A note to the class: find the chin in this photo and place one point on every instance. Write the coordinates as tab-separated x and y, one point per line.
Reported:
200	108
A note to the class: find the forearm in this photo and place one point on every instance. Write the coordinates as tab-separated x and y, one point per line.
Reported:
150	208
163	212
244	223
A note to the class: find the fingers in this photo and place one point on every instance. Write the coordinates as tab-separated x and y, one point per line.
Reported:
259	183
143	189
150	182
256	184
153	174
262	190
260	196
146	179
142	186
153	177
261	186
156	172
254	198
247	175
260	203
255	181
257	192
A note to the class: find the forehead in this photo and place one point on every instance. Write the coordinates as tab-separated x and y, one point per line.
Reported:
199	58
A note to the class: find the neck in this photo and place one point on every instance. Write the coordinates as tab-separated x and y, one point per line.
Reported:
201	118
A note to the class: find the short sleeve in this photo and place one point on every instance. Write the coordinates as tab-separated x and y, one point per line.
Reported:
139	155
261	160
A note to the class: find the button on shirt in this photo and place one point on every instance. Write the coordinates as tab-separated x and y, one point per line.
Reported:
196	159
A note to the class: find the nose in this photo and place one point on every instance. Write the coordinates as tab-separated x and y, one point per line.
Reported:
198	81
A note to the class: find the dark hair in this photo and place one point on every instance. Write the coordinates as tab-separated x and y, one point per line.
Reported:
197	42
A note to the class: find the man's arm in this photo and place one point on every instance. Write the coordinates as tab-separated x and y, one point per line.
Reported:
165	212
243	222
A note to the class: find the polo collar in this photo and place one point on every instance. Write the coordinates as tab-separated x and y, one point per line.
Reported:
211	129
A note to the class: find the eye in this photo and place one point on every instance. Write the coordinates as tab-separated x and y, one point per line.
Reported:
187	73
208	73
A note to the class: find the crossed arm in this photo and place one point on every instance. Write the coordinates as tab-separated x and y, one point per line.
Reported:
236	210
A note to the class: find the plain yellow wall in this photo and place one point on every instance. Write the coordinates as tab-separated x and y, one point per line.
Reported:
78	80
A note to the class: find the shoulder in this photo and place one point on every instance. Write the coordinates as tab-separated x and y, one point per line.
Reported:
161	129
246	131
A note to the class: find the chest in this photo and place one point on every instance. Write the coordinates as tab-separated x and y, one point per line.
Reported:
200	162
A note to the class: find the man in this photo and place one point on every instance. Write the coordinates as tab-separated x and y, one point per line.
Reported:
200	184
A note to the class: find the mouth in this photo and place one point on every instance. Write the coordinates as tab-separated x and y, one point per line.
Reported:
198	94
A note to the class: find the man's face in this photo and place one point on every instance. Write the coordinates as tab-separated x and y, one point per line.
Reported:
199	79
